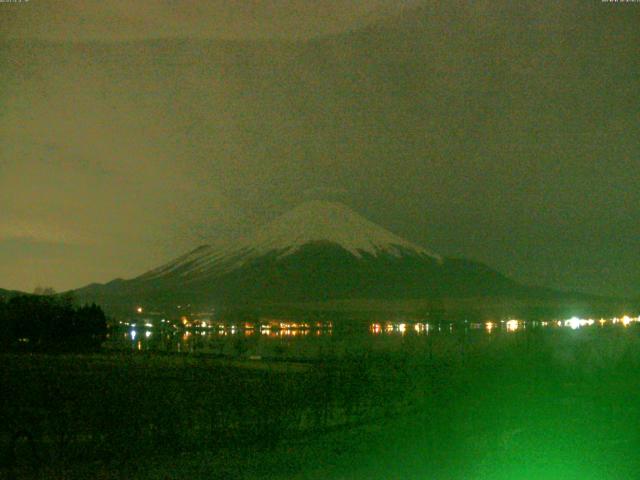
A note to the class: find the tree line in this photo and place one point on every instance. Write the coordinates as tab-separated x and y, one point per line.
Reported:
49	322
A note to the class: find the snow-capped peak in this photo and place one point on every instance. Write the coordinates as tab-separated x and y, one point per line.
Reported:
330	222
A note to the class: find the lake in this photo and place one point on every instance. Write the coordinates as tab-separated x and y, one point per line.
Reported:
291	339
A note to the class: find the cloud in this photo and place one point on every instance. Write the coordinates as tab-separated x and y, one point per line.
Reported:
240	19
41	232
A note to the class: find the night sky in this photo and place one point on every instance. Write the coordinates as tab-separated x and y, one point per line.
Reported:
506	132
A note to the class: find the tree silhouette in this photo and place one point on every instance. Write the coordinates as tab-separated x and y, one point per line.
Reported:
37	322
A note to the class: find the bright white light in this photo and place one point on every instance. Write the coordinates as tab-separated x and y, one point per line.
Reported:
139	309
402	328
512	325
489	326
573	322
147	334
133	334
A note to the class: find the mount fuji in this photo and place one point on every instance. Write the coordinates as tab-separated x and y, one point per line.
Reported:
318	251
312	223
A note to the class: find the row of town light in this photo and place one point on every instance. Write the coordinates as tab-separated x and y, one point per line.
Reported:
511	325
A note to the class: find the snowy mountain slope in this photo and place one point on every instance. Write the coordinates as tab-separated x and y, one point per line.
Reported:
311	222
331	222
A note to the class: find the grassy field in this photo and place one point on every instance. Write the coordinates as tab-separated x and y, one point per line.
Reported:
555	404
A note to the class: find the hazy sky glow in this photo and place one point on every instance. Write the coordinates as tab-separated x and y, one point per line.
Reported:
504	133
238	19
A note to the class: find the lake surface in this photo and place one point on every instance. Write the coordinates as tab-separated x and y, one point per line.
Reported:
287	339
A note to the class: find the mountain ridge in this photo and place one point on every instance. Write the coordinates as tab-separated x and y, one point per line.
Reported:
324	253
318	251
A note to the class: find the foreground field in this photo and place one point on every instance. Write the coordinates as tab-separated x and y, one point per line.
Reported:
533	404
